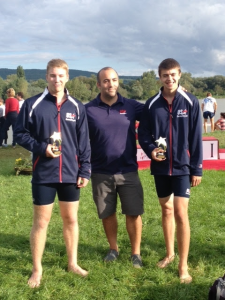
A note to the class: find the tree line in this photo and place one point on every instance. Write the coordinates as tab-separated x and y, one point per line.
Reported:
85	89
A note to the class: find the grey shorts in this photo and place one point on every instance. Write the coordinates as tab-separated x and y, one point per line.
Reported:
127	186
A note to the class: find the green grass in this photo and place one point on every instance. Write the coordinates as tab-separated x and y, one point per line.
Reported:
118	280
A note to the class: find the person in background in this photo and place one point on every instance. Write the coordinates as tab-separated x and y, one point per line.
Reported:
220	124
11	113
209	107
19	97
170	133
111	120
53	126
2	121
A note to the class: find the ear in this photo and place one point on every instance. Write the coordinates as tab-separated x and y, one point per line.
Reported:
98	85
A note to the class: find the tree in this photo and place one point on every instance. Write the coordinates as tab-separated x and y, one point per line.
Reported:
20	72
78	89
2	87
149	84
136	90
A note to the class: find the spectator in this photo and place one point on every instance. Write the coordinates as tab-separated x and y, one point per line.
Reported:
2	121
209	106
11	113
220	124
19	97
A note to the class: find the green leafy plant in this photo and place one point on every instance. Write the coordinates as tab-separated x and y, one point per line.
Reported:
23	164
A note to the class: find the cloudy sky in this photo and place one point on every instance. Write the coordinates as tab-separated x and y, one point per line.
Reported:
132	36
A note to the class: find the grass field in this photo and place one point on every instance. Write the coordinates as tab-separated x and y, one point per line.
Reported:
118	280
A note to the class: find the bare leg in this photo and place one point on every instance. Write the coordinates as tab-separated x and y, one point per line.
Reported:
41	218
71	234
110	226
168	225
183	234
205	125
212	124
134	229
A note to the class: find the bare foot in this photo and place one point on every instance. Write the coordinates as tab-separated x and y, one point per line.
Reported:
185	277
78	270
165	262
35	280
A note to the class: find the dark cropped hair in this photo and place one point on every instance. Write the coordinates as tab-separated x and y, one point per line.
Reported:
167	64
20	94
104	69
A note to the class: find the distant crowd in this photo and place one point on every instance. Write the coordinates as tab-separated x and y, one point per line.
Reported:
8	114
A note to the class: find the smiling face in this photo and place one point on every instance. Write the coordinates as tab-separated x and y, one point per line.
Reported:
57	79
170	79
108	85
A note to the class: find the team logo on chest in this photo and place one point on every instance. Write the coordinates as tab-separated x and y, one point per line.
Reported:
71	117
182	113
123	112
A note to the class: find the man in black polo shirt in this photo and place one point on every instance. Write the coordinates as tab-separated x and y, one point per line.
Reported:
111	120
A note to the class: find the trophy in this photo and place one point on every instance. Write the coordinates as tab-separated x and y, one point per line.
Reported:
161	142
56	142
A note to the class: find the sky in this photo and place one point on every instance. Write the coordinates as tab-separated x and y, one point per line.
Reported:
132	36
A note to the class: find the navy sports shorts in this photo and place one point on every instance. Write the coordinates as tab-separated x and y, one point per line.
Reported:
208	114
177	185
44	194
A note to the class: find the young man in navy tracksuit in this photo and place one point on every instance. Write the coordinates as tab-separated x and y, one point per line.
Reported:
173	116
111	120
55	114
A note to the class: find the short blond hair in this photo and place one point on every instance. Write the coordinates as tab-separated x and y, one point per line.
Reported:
11	92
57	63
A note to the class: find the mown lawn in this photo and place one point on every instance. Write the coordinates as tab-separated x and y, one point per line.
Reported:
118	280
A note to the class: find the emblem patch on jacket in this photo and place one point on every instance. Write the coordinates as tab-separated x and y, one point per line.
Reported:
71	117
182	113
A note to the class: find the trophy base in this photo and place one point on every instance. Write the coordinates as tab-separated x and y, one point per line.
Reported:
57	152
160	155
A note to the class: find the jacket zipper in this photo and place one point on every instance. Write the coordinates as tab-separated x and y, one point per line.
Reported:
59	130
171	149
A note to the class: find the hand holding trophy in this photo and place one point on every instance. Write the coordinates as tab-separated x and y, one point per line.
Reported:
161	143
57	141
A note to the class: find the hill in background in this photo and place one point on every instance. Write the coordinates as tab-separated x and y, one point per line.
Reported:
35	74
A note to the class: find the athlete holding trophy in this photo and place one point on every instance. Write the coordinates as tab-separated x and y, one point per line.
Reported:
170	133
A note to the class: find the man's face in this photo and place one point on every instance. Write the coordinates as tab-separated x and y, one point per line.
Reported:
170	79
57	79
18	97
109	83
